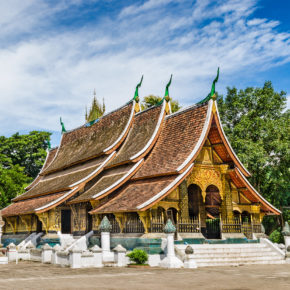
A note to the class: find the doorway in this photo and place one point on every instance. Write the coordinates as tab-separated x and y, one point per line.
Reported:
66	221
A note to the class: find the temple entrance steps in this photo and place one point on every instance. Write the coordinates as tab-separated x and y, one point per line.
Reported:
65	240
68	241
207	255
33	238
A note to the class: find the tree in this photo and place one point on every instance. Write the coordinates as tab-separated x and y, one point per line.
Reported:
27	151
13	180
96	111
21	158
257	126
152	100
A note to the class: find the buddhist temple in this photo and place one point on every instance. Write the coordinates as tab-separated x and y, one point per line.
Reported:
140	168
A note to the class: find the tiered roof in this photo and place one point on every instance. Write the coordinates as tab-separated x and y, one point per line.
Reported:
135	159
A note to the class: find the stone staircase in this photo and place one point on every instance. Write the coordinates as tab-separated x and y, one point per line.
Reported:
207	255
67	240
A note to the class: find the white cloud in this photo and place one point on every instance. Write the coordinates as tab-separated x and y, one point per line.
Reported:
53	72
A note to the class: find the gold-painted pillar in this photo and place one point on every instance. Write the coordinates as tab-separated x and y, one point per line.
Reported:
27	221
201	208
12	221
96	222
183	200
121	219
145	219
44	218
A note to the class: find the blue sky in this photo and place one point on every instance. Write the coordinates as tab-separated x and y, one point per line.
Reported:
54	53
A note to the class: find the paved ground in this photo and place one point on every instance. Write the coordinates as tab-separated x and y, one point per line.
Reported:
30	275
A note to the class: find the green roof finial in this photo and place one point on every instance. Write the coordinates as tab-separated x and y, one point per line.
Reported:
136	96
63	130
211	95
166	96
214	82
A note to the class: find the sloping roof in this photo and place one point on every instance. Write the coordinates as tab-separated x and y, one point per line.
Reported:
250	192
62	180
88	142
140	139
225	151
179	135
138	195
29	205
141	136
49	157
108	181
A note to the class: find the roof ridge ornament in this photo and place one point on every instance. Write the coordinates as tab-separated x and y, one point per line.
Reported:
136	96
212	94
63	130
167	98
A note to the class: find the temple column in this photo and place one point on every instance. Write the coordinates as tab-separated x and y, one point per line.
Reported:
183	200
145	219
121	219
201	208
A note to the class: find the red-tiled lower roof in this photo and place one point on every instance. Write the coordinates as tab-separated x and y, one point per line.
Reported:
29	205
134	194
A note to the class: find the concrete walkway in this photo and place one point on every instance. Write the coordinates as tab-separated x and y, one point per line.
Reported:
29	275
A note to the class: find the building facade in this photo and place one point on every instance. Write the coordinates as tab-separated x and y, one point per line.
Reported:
140	168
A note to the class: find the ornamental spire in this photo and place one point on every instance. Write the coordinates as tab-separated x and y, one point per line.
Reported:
212	94
136	96
63	130
166	96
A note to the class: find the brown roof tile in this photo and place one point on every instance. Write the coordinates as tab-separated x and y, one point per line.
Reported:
103	181
142	130
49	158
134	194
88	142
29	205
61	180
179	135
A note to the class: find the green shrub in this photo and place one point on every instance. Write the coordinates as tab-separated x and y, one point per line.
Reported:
137	256
276	237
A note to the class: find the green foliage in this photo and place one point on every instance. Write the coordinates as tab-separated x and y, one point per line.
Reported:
151	101
21	158
138	256
257	126
276	236
96	111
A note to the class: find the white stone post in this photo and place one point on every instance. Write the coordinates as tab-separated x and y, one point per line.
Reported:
75	259
170	261
189	258
55	250
105	228
46	254
98	256
120	256
12	253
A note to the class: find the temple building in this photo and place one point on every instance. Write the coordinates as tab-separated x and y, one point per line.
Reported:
140	168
